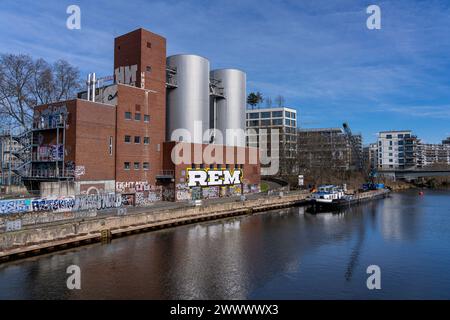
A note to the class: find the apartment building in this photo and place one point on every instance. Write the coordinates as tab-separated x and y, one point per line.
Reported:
397	150
260	122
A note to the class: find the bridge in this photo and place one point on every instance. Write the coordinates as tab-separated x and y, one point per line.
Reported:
413	174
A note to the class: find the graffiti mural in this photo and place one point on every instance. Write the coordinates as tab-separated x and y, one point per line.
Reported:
79	171
183	192
53	204
97	201
132	186
14	206
211	192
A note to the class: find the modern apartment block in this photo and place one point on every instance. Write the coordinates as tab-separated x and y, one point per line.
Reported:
397	150
262	122
433	155
118	138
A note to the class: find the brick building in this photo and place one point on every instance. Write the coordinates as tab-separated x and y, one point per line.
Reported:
113	139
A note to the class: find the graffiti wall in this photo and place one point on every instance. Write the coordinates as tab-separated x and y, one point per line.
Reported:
183	192
132	186
61	204
14	206
148	197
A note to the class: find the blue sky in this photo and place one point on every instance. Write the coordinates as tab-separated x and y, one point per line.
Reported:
318	54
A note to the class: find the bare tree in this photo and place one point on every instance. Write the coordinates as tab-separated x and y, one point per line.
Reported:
16	101
25	83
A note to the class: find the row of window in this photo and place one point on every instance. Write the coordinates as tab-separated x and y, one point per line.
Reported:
137	116
273	122
399	136
136	165
268	114
137	139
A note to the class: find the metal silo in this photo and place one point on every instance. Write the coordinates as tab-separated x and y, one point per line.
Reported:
230	111
188	101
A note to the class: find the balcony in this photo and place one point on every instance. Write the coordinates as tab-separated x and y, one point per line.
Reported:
165	174
50	174
49	123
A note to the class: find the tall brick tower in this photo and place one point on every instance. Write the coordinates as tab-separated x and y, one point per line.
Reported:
140	71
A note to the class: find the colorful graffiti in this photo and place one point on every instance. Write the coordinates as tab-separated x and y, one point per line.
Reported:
211	192
55	205
183	192
14	206
97	201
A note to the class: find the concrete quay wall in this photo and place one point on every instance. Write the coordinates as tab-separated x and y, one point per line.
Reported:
55	236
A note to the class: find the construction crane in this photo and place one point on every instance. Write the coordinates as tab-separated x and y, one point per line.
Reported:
355	146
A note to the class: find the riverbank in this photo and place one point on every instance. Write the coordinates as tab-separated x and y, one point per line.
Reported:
61	235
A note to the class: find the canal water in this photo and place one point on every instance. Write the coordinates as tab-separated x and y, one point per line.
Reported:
282	254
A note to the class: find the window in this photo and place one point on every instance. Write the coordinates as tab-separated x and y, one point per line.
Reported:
127	115
126	165
146	118
137	139
146	140
293	123
137	116
127	139
137	166
400	136
145	166
277	122
293	115
254	115
265	114
254	123
288	114
277	114
148	69
149	44
287	122
389	136
110	145
265	122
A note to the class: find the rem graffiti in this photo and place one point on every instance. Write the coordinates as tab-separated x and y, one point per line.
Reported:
14	206
206	178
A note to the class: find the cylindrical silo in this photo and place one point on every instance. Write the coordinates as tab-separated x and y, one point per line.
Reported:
188	103
230	110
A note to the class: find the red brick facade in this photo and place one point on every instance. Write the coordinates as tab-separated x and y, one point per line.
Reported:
121	146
